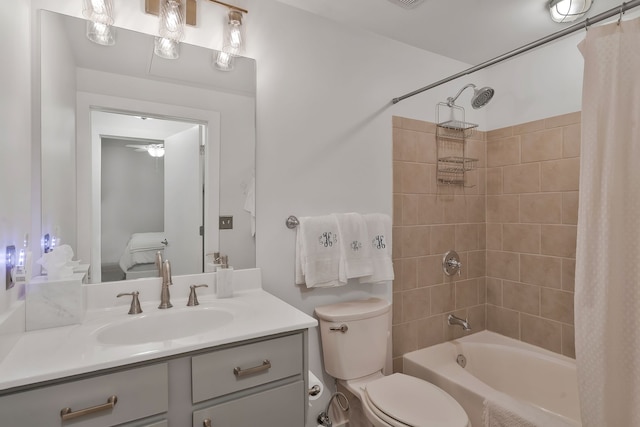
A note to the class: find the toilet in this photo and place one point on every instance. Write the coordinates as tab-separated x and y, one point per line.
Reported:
354	347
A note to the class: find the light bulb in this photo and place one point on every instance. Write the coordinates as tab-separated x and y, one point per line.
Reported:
235	37
166	48
172	20
98	11
223	61
101	34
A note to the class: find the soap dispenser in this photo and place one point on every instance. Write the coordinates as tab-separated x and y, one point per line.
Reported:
224	275
213	262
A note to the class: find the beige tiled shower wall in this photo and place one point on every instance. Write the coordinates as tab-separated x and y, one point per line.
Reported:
532	212
428	221
514	228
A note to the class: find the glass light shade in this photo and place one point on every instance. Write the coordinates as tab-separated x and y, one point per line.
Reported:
223	61
98	11
100	33
234	37
568	10
166	48
172	20
155	150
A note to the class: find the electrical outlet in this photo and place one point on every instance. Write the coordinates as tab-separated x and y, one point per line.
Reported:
226	223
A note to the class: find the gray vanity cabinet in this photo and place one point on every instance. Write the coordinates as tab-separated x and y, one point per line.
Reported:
245	384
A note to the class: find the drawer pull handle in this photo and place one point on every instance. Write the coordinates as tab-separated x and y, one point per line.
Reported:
207	423
239	372
68	414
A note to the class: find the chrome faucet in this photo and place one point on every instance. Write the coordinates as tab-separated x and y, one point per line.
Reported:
454	320
166	282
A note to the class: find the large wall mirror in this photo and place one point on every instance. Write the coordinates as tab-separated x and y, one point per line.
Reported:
140	153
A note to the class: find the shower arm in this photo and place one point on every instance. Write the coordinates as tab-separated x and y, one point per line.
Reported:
451	100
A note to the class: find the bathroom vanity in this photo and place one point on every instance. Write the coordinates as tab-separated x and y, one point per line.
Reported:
247	368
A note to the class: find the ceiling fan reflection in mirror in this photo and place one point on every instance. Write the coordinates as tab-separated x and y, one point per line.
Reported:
154	150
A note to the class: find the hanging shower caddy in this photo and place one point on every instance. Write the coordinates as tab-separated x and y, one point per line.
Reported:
451	133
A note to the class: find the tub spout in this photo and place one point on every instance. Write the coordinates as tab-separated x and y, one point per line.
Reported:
454	320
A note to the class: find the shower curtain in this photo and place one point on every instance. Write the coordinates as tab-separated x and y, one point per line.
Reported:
607	294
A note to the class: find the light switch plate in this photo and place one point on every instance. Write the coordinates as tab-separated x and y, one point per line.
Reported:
226	223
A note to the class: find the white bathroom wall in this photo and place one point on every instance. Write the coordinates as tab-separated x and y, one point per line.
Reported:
325	136
15	135
545	82
58	135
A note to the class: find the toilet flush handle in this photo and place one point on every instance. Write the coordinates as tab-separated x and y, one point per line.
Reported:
342	328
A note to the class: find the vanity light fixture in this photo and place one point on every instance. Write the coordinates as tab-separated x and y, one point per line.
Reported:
171	29
174	14
233	44
568	10
99	14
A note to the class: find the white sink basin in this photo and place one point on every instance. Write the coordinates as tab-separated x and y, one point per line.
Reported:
163	325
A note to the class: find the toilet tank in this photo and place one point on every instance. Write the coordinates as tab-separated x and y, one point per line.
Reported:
358	348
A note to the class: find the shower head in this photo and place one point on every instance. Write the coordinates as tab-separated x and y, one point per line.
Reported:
480	98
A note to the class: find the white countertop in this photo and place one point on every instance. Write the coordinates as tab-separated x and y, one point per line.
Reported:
55	353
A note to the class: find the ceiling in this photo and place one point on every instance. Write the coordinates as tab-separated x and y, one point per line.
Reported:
471	31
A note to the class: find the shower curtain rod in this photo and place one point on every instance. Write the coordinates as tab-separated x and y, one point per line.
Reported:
618	10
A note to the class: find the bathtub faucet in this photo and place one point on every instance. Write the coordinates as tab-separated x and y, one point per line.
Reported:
454	320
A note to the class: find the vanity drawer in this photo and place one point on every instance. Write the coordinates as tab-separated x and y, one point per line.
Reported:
232	369
140	392
280	406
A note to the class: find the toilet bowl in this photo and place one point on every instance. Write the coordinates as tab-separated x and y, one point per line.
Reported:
401	400
354	346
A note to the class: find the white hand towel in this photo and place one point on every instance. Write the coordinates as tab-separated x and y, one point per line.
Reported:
355	259
318	252
379	241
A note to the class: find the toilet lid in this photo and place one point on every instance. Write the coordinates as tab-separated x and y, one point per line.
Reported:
415	402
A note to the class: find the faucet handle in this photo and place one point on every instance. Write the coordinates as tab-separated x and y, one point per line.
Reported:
451	263
135	302
193	298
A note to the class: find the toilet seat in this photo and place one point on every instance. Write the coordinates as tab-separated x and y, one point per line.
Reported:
404	401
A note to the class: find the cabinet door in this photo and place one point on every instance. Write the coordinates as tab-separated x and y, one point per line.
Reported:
141	393
280	406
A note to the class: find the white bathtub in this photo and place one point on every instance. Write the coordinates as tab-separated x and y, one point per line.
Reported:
541	383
